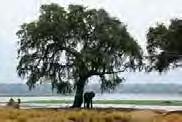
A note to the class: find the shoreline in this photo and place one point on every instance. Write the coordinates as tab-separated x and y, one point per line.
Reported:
121	107
115	104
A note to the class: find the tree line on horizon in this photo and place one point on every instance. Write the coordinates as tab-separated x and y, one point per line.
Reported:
160	89
69	46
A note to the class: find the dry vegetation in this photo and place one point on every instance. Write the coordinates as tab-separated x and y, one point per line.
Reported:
12	115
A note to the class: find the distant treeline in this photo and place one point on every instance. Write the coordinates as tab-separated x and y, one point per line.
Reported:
46	89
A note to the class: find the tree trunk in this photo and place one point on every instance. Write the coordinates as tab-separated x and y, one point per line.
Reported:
78	100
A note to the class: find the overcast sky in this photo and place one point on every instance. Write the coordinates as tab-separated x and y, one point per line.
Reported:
137	14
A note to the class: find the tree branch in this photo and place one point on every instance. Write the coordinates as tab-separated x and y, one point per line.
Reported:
106	72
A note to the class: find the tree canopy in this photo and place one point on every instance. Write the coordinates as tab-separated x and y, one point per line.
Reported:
164	45
67	46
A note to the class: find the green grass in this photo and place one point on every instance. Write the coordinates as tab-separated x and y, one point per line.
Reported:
134	102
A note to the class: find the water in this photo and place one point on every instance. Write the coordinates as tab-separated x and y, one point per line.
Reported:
102	97
25	99
138	97
3	100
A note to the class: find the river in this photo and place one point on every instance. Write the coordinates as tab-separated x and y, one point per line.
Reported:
3	100
102	97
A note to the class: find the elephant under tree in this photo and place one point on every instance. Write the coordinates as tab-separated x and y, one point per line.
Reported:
88	96
68	46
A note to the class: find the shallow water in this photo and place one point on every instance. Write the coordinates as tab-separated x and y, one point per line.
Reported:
156	107
3	100
103	97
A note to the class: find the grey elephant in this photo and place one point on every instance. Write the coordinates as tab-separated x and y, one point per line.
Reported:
88	96
13	104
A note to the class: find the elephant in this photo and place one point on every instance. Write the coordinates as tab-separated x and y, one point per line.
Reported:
88	96
13	104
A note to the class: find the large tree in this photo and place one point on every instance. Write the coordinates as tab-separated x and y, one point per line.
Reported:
67	46
164	45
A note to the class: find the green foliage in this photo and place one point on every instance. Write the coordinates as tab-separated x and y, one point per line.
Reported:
110	83
66	46
164	45
63	87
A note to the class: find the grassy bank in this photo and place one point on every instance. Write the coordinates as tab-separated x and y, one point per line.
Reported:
77	115
135	102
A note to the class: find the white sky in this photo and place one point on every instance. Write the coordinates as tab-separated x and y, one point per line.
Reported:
137	14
